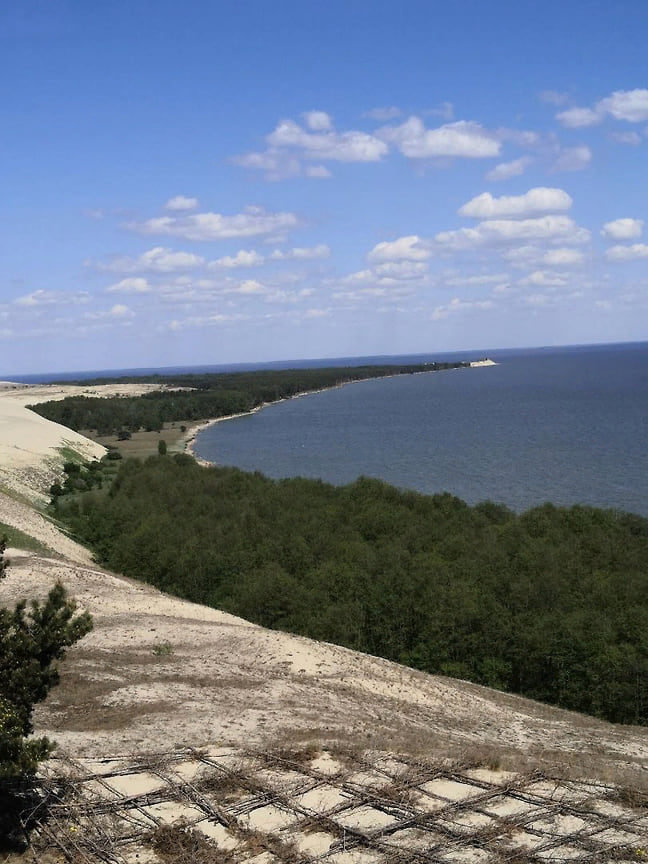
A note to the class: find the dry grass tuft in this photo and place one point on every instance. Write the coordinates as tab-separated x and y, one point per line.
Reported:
176	844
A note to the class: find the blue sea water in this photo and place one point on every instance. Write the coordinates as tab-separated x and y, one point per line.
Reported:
567	425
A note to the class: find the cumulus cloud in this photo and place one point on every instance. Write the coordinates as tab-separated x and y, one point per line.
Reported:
132	285
194	321
445	110
461	139
249	286
633	139
563	257
317	121
181	202
541	199
254	221
478	279
495	232
623	229
456	305
572	159
327	144
627	253
628	105
399	270
319	172
554	97
292	145
307	253
116	313
389	112
576	118
545	279
53	298
315	312
120	311
157	260
506	170
243	258
409	248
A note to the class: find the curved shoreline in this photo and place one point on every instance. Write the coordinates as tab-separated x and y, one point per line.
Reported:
191	435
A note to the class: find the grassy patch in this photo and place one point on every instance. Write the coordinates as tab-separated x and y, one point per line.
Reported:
19	540
68	454
143	444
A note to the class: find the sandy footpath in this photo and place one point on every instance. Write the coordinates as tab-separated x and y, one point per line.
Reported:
157	671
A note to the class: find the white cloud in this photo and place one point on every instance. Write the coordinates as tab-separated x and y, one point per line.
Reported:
553	97
307	253
494	232
623	229
445	110
456	305
628	105
53	298
243	258
249	286
383	279
541	199
572	159
277	164
563	257
389	112
181	202
291	147
577	118
409	248
633	139
317	121
506	170
194	321
627	253
479	279
319	172
254	221
132	285
461	139
328	144
399	270
121	311
158	260
545	279
316	313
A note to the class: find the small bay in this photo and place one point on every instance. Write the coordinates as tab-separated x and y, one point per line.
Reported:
566	425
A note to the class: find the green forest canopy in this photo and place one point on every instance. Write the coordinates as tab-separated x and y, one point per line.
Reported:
551	603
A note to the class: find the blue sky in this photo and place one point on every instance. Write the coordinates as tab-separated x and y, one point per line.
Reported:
213	182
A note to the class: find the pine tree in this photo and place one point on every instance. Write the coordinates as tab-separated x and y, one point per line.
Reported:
31	643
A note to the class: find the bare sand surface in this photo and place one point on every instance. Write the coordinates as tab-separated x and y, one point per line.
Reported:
33	449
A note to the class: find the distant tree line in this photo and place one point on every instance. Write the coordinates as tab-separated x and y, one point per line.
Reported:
551	604
207	396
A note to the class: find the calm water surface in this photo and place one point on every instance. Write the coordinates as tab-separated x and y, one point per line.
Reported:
565	425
